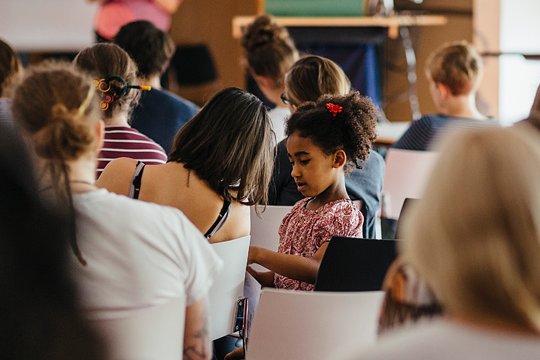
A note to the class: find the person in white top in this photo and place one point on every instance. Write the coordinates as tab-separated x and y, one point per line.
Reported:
475	238
269	53
129	255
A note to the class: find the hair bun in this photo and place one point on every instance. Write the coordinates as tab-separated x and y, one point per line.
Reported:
260	33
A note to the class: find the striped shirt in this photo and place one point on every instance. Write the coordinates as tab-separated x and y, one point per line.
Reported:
123	141
423	132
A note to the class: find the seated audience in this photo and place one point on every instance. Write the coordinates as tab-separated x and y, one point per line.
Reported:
220	164
159	113
128	255
269	53
114	74
325	140
10	72
474	238
308	79
39	306
454	72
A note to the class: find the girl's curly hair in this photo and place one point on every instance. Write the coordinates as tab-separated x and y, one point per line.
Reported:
353	128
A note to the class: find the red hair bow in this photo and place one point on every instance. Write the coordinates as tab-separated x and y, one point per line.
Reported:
334	109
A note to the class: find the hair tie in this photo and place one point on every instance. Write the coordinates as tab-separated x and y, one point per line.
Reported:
334	109
112	94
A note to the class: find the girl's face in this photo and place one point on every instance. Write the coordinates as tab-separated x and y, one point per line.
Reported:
312	169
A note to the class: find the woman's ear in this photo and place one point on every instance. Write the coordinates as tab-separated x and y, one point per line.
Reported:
340	158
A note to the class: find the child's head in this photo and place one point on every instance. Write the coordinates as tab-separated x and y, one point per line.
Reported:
457	65
113	69
270	51
229	143
313	76
333	123
475	234
55	106
10	69
150	47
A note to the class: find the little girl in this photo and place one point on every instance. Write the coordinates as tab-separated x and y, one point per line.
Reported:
326	140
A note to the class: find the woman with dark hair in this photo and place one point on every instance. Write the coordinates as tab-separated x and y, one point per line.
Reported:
39	305
221	162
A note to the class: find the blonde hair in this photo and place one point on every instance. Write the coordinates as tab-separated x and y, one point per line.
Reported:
313	76
457	65
56	107
270	51
475	235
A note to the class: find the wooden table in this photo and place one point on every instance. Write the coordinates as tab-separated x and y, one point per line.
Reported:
393	23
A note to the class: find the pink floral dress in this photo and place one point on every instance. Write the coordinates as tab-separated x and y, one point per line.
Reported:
303	231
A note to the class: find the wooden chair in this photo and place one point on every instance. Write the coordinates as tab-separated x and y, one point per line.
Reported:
351	264
228	287
155	332
406	173
312	325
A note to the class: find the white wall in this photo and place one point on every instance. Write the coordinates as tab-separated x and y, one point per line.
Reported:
519	78
510	82
47	25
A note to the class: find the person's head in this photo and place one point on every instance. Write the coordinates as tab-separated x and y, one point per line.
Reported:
39	306
454	69
229	143
329	138
269	52
475	235
313	76
150	47
10	69
56	108
113	70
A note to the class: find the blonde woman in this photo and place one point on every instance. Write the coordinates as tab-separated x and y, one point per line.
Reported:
475	238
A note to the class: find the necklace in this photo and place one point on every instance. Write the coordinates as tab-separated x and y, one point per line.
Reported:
83	182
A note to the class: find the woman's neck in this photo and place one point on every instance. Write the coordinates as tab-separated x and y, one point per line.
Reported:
120	119
82	174
461	106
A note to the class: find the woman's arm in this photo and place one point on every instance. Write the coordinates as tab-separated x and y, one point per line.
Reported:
291	266
169	6
196	340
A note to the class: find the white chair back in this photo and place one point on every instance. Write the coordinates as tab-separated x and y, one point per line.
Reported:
405	176
264	229
264	233
156	332
228	287
309	325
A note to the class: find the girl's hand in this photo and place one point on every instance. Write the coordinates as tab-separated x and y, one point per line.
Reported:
265	278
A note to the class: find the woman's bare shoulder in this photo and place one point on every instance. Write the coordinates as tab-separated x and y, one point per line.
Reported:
117	175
